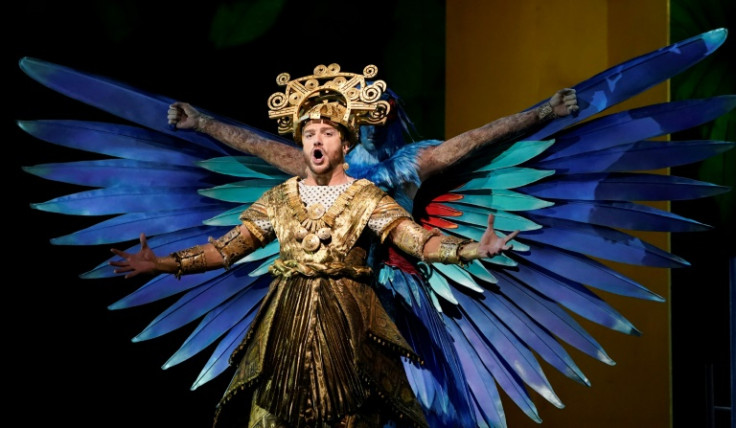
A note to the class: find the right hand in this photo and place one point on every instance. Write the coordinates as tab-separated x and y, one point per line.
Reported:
564	102
183	116
144	261
491	244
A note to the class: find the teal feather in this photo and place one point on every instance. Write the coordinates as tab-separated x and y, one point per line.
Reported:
267	251
517	154
241	192
504	200
506	178
229	217
478	216
476	268
457	275
440	286
242	166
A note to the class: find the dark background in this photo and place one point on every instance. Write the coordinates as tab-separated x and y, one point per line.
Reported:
71	360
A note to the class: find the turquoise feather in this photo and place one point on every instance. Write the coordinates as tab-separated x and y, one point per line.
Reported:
504	200
506	178
242	166
247	191
517	154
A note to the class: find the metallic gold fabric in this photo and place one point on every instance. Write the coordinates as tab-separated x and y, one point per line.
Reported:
321	346
369	416
290	268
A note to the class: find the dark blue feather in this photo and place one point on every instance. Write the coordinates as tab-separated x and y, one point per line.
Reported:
122	172
443	397
638	124
197	302
550	316
538	339
120	200
494	335
128	227
621	186
219	360
631	77
573	296
637	156
601	242
585	270
623	215
122	100
220	320
122	141
488	366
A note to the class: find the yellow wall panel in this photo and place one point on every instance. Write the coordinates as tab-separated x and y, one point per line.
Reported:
503	57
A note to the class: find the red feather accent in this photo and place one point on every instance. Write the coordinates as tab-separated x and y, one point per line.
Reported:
438	222
398	260
435	209
447	197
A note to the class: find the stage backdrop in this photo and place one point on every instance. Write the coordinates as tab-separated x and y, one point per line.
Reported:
565	42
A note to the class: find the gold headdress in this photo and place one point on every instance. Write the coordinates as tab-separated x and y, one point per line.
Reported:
343	98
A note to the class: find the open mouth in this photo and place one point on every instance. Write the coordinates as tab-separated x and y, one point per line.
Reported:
318	154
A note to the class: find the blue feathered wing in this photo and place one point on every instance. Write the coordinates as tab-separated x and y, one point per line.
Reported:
573	188
569	188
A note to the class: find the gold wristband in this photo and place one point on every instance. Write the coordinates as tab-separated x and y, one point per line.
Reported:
191	260
546	112
202	122
448	250
234	245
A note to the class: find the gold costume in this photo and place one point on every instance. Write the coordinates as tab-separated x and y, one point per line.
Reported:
322	351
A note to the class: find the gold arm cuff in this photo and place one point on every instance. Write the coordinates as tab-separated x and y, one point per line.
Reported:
234	245
411	237
191	260
448	250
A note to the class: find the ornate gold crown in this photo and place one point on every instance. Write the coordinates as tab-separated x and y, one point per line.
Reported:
340	97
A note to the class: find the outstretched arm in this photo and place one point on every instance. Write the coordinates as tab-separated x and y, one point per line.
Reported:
217	253
436	158
431	246
286	158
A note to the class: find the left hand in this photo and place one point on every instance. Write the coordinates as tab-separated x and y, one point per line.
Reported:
491	244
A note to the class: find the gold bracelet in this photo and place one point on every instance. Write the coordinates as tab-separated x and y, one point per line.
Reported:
447	252
191	260
202	122
546	112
